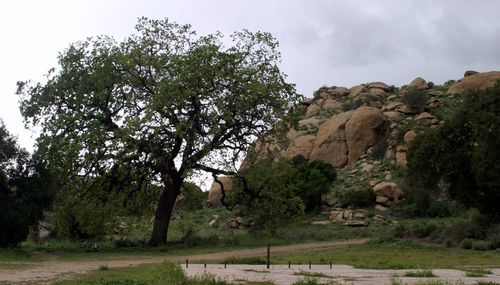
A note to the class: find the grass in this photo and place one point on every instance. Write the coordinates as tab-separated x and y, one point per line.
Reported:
245	260
16	258
428	282
312	281
257	270
395	255
312	274
166	273
477	272
420	273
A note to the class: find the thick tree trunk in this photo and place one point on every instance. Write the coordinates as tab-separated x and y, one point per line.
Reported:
163	213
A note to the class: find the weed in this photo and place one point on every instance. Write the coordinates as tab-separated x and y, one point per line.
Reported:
257	270
420	273
312	274
480	245
245	260
103	267
466	243
477	272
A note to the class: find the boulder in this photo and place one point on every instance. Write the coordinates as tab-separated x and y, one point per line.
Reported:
367	168
475	81
320	222
425	116
302	145
313	121
388	189
391	115
385	201
418	83
340	91
409	136
380	85
330	144
377	92
332	104
381	208
374	182
215	193
392	106
362	131
313	110
401	155
356	90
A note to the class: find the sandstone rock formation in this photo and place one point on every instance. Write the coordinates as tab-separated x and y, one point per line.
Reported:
215	193
475	81
418	83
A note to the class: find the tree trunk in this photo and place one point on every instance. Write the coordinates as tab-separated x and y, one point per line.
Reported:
163	213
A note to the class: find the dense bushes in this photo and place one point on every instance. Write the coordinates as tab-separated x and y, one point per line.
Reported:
25	190
276	191
461	157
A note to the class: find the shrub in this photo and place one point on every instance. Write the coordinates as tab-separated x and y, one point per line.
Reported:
420	273
480	245
415	99
466	243
494	241
307	281
423	229
358	197
448	242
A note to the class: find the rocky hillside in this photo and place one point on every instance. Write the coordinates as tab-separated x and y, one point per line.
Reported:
367	128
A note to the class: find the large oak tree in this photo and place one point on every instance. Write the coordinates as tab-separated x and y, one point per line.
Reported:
157	106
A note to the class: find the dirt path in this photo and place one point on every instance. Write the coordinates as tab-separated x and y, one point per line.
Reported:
48	271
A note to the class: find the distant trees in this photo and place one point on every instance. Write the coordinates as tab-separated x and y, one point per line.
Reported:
462	157
25	190
156	107
275	191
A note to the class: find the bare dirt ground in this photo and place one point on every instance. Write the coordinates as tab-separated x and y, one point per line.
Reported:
339	274
48	271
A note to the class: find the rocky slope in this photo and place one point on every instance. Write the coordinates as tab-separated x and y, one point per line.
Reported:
367	128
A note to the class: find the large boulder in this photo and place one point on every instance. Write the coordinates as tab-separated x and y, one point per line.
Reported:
356	90
215	193
388	189
379	85
330	144
313	110
302	145
362	131
475	81
332	104
418	83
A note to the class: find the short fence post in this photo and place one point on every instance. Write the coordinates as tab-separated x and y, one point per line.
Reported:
310	264
225	264
331	266
289	264
205	265
268	256
187	263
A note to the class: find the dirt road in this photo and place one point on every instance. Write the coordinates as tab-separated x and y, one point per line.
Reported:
48	271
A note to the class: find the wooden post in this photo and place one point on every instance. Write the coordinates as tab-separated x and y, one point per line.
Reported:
331	265
310	264
268	255
205	265
289	264
225	263
187	263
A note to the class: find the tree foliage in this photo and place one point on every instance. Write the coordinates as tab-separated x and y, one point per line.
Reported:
462	156
25	190
276	191
158	106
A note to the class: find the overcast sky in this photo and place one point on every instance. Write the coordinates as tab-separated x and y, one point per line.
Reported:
323	42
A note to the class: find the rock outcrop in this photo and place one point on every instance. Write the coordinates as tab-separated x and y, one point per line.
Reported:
215	193
475	81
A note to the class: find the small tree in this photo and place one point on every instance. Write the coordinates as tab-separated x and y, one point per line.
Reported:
157	107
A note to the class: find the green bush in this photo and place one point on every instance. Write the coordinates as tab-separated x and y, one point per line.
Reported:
420	273
448	242
415	99
466	243
480	245
423	229
307	281
494	241
358	197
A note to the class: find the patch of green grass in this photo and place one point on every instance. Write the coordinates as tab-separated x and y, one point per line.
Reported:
477	272
257	270
394	255
312	274
166	273
425	273
312	281
245	260
487	283
427	282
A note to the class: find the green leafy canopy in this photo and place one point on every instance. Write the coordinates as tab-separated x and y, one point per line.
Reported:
164	100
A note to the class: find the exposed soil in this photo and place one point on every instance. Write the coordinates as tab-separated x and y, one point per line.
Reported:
48	271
